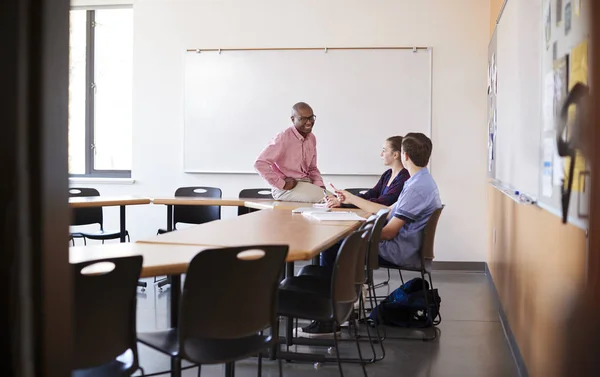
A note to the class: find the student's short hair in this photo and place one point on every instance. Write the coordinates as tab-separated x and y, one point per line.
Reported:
395	143
418	147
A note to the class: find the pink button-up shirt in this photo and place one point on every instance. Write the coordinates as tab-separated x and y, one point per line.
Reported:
289	155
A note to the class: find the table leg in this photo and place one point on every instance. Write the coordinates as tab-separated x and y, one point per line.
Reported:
289	323
169	218
175	295
122	210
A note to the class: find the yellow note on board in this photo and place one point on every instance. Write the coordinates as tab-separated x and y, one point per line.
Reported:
578	72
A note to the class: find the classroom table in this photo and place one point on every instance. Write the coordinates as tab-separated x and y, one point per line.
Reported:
109	201
305	236
223	202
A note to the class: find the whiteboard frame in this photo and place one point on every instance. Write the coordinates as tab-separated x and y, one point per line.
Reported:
429	49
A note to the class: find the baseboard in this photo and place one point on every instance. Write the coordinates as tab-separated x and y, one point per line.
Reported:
512	342
459	266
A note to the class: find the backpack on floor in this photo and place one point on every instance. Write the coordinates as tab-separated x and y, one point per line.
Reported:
405	307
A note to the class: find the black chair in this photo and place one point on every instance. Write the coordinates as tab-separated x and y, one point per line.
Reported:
364	273
89	216
192	214
327	300
105	318
242	299
357	191
427	254
195	214
260	193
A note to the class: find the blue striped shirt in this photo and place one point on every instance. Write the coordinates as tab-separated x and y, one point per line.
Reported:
418	199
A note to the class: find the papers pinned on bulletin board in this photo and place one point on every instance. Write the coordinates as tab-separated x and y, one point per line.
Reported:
548	162
548	24
549	102
561	82
577	7
568	16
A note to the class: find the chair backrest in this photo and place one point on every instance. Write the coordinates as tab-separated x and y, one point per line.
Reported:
105	310
373	257
343	280
258	193
86	216
197	214
361	261
239	285
357	191
429	234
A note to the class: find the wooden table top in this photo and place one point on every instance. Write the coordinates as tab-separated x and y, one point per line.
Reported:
306	237
232	202
199	201
106	201
159	259
274	204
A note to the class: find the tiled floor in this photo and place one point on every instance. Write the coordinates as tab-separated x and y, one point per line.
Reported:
471	340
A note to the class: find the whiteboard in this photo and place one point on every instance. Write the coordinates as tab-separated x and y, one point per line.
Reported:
237	101
519	53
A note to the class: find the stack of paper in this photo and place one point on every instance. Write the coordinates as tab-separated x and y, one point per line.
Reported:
334	216
310	209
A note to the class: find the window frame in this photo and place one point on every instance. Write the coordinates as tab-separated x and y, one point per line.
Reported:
90	100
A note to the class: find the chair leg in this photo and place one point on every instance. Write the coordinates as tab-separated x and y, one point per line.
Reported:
175	367
280	363
401	278
230	369
337	349
259	364
84	241
199	369
384	283
375	358
362	361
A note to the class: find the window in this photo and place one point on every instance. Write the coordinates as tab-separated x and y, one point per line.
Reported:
100	92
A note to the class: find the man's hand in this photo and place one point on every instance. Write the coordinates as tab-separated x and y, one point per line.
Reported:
290	183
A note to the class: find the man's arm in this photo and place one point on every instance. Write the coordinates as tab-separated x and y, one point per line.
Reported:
266	160
391	229
313	172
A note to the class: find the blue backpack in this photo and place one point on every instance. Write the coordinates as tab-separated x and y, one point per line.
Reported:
405	307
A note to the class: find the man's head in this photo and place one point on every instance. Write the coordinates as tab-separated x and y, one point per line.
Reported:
416	149
303	118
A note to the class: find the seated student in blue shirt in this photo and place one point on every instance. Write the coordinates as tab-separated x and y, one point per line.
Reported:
402	235
389	186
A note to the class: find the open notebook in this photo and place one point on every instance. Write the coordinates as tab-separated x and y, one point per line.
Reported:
334	216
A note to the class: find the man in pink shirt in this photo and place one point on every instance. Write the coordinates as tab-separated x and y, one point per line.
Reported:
289	162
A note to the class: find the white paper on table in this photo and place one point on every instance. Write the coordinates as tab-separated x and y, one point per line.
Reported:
547	166
549	102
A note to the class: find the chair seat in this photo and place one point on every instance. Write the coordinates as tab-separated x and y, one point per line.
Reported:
426	268
206	351
115	368
99	235
308	298
316	271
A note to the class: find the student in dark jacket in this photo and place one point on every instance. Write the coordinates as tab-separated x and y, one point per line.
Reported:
390	185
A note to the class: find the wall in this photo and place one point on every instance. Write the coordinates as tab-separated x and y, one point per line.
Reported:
456	30
537	264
